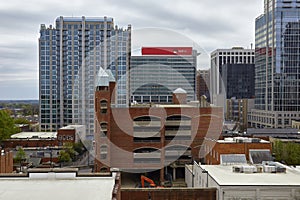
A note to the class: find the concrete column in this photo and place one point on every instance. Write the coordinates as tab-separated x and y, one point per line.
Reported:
174	174
162	172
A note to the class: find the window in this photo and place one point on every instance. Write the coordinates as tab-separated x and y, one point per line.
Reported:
103	127
103	152
104	169
103	106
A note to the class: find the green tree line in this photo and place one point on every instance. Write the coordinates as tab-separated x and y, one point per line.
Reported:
7	126
287	152
25	109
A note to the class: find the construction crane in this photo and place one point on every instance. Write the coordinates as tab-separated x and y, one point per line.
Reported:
150	181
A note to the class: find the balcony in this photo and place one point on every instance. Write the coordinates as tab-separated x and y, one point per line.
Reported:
146	134
178	123
178	133
177	153
146	123
151	155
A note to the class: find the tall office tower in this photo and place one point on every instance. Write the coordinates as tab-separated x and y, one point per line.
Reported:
70	55
219	58
277	65
159	71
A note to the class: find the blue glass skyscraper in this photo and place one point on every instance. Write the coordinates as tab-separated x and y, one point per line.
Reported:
277	65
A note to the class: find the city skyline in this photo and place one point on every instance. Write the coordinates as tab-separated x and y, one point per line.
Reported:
209	28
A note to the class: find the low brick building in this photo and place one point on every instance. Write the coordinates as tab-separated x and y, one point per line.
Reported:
150	137
214	149
45	145
70	134
31	139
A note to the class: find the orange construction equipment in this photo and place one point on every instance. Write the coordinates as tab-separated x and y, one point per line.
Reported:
150	181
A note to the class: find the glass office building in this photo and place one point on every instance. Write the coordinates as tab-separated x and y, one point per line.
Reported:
161	70
70	55
238	80
277	65
219	58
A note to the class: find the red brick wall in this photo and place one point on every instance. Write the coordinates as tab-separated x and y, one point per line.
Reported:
6	162
13	143
64	136
169	193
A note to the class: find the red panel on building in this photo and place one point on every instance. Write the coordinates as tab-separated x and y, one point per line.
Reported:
167	50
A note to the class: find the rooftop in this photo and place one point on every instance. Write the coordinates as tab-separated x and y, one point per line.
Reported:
102	78
34	135
72	127
251	131
65	185
242	140
164	105
87	19
224	175
179	91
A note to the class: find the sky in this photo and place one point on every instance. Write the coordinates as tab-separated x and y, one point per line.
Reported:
211	24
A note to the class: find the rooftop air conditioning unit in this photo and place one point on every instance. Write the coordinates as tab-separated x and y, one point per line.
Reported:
259	169
269	169
239	141
280	169
249	169
236	169
255	140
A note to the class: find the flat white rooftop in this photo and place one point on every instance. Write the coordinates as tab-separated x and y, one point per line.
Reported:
224	175
241	140
34	135
72	127
79	188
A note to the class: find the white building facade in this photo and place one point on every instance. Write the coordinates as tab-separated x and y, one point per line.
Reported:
249	183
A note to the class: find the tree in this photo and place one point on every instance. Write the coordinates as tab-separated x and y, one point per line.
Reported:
64	157
78	147
289	152
20	157
69	148
68	153
7	126
278	150
21	121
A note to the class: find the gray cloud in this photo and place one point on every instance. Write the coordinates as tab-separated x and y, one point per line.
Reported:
210	23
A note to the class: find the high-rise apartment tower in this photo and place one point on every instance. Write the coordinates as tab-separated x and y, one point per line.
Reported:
70	55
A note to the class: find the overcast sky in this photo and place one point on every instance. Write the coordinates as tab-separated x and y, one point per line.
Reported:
212	24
